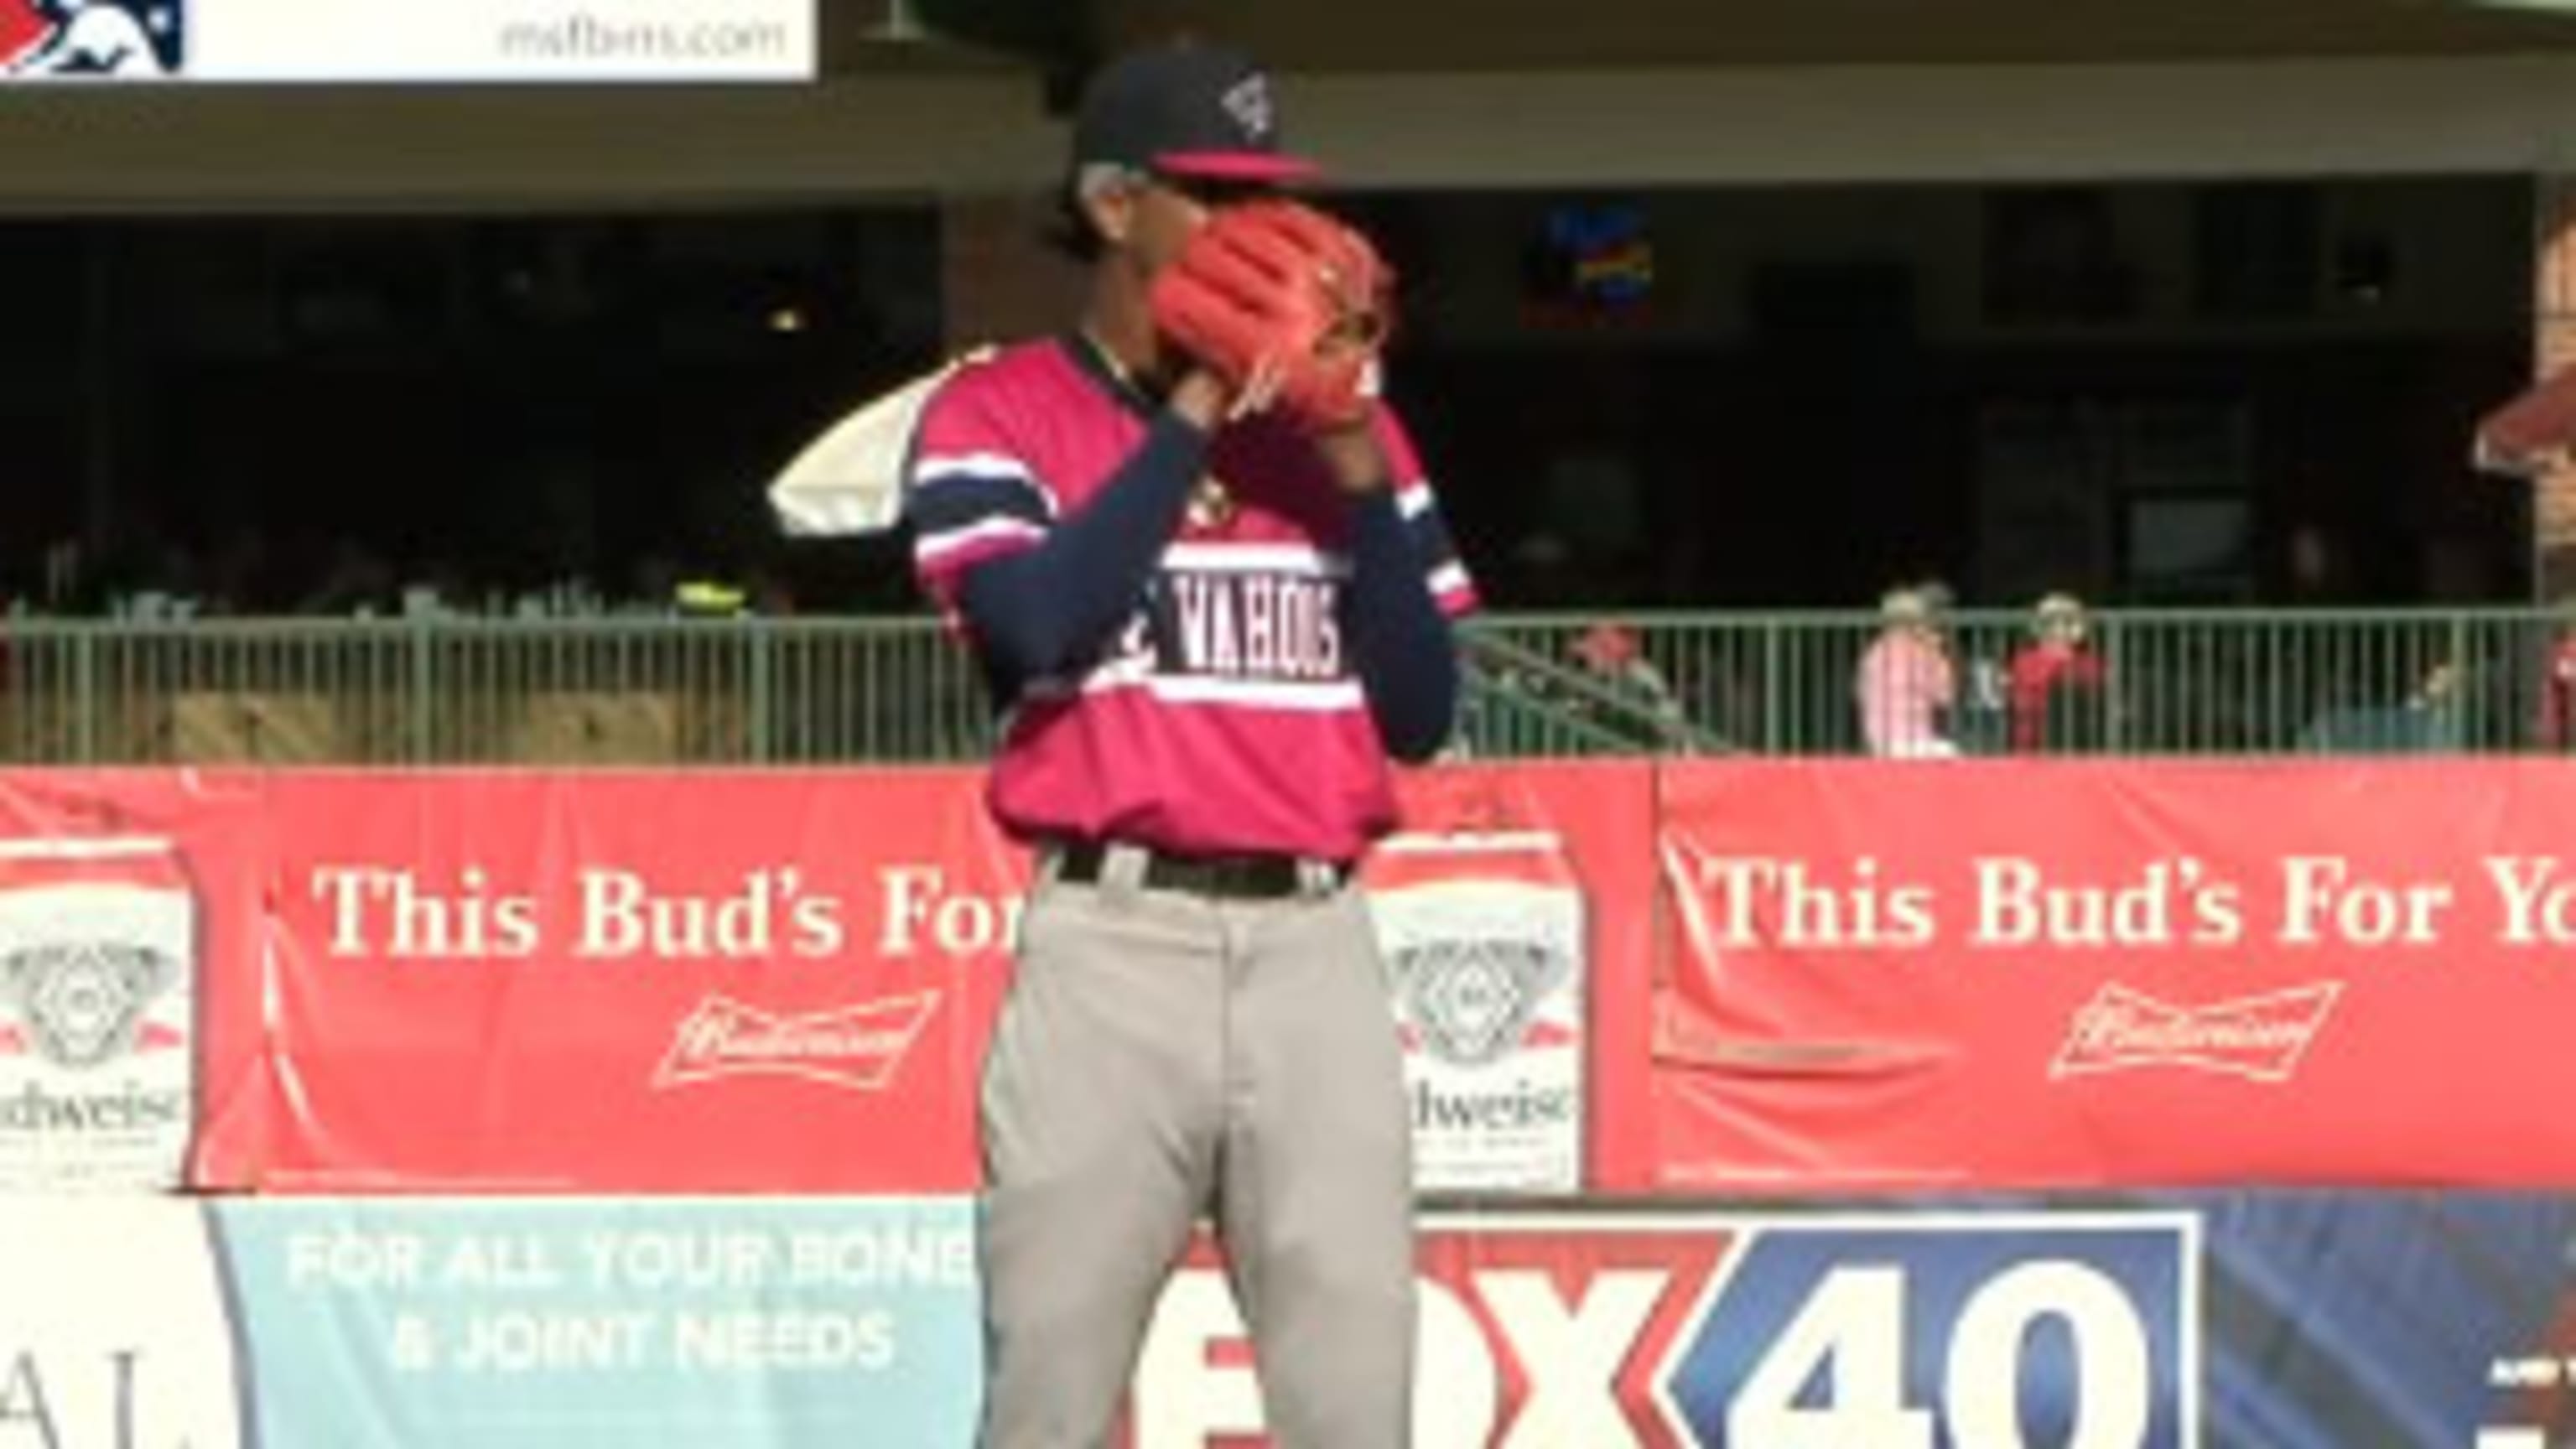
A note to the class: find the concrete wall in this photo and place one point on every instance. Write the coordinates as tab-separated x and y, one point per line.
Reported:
78	148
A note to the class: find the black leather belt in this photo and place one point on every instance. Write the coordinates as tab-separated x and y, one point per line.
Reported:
1232	877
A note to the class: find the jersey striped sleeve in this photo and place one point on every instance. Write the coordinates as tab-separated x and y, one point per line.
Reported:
1445	571
968	493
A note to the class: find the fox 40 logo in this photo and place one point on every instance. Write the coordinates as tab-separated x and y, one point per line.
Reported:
67	39
1722	1331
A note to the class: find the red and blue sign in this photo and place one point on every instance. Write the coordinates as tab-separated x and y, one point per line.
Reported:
1729	1331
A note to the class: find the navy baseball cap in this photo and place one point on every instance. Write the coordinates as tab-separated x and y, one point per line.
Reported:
1185	110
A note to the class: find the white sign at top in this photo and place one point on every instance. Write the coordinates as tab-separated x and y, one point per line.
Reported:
402	41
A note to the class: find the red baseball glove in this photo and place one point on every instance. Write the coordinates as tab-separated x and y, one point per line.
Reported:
1278	281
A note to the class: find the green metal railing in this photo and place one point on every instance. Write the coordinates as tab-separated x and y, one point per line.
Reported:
458	691
2200	681
797	691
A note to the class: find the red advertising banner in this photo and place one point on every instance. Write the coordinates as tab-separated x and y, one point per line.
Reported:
782	982
2078	973
763	981
1713	976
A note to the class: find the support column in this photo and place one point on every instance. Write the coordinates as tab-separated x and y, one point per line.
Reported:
2553	325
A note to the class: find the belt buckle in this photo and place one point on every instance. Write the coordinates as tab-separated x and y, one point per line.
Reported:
1238	877
1223	877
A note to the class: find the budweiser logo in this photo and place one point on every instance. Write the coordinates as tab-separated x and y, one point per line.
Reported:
83	1002
1473	1000
859	1047
2257	1037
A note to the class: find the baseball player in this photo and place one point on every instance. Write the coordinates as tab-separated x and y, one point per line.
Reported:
1209	586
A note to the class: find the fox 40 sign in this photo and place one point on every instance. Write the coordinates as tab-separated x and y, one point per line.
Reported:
1993	1331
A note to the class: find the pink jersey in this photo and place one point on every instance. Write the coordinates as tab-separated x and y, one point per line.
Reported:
1904	682
1227	715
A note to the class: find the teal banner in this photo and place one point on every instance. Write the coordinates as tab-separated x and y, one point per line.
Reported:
535	1323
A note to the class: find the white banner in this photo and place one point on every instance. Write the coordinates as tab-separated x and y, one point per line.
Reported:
451	41
116	1329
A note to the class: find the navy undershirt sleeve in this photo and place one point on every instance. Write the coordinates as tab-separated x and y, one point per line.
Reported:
1052	608
1401	642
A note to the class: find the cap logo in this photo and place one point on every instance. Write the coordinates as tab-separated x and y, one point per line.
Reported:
1248	101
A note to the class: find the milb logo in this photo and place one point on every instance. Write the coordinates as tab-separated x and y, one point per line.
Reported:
1991	1331
134	39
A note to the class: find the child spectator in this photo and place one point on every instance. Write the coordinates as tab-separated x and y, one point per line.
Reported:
2055	684
1906	681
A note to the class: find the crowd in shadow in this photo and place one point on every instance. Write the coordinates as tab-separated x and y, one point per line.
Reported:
248	575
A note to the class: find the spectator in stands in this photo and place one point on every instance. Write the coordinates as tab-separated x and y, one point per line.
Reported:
652	585
1975	721
1613	655
158	579
2427	721
356	583
1906	682
2555	729
2055	684
2434	711
772	595
237	576
66	562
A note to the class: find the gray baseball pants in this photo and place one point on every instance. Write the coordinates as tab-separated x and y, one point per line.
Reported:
1163	1055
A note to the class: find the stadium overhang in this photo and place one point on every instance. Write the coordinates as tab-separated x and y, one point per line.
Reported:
1539	35
966	97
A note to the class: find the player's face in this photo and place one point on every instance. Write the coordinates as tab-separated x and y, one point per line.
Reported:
1169	208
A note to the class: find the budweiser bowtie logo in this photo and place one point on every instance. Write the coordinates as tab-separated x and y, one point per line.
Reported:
2258	1037
859	1047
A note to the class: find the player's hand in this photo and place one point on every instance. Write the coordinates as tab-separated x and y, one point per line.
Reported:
1260	389
1278	286
1209	401
1202	398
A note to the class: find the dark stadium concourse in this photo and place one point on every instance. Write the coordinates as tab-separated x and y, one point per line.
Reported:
276	415
1651	396
2176	393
